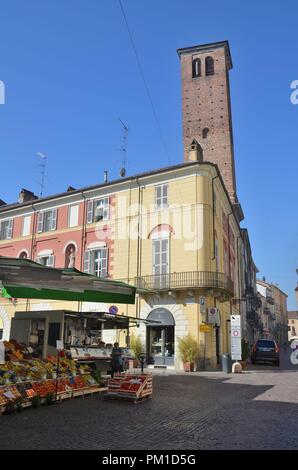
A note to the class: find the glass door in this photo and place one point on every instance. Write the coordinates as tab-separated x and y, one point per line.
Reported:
160	342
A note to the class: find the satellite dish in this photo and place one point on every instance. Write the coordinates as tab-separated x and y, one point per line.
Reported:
122	172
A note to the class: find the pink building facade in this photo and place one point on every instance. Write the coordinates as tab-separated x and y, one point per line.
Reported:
68	230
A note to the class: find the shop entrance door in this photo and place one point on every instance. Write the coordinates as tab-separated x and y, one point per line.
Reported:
161	337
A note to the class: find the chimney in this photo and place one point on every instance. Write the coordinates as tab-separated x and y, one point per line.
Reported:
25	196
105	176
195	152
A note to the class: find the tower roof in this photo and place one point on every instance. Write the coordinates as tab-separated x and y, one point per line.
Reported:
208	47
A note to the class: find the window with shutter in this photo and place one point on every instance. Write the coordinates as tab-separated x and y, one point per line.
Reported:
40	222
6	229
87	262
161	196
54	219
89	212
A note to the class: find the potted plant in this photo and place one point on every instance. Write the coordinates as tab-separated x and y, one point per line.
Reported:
137	348
36	401
188	349
245	353
49	398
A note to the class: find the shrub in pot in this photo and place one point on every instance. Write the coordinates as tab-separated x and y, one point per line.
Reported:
50	398
36	401
136	347
188	349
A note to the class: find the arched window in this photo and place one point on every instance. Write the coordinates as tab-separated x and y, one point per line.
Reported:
196	68
205	132
209	65
23	255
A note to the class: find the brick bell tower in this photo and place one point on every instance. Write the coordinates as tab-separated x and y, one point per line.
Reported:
206	109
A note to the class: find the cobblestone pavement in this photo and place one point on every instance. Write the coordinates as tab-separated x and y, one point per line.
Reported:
211	410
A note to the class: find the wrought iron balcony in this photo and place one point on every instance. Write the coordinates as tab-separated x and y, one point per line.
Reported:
186	280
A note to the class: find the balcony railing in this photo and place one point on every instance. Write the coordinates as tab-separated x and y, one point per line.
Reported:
186	280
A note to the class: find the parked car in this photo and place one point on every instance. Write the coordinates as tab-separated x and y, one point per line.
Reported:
265	350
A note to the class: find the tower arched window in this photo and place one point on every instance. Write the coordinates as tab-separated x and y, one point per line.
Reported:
196	68
209	65
205	132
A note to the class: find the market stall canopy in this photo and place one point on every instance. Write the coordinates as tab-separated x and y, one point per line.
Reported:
23	278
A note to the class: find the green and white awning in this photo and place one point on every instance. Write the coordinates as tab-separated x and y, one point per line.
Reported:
23	278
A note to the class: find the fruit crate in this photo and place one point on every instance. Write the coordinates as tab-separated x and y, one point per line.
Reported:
130	386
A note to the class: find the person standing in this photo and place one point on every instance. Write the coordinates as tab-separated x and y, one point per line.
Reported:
116	359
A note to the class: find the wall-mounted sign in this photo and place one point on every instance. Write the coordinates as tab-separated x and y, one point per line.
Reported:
113	310
205	328
213	316
236	352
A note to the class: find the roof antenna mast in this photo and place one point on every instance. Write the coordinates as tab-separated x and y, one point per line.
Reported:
123	148
43	158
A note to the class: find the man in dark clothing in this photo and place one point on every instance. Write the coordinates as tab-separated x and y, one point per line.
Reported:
116	359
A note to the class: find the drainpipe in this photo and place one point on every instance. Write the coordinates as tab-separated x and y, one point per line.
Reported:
33	231
213	215
83	237
138	246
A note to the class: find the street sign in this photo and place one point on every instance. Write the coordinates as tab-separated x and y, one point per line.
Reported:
213	316
236	352
205	328
113	310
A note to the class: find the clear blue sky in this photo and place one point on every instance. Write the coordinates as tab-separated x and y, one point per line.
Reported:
70	71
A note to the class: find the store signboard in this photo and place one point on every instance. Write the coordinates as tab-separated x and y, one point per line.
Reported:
205	328
236	353
2	353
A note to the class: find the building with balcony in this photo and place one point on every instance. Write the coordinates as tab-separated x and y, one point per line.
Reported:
273	311
173	232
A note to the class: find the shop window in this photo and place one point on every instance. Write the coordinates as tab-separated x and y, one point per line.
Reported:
97	210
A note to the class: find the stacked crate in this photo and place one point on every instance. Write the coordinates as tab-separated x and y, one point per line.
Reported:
133	387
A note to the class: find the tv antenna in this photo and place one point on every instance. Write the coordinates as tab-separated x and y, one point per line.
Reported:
43	158
123	148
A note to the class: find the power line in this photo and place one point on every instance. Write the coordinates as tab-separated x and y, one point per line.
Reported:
145	83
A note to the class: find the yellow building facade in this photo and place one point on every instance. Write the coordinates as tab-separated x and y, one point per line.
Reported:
176	238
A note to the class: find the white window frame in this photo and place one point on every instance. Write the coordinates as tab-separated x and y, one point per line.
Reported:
89	262
69	215
41	221
161	200
9	229
27	218
101	203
